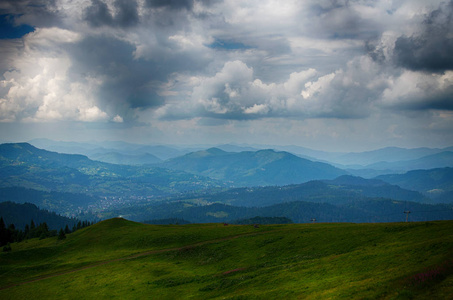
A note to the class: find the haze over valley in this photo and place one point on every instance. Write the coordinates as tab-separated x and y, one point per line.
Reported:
215	185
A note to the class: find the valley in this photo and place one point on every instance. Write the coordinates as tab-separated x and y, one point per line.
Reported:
214	185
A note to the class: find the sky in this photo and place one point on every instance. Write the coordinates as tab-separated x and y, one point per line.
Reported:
328	75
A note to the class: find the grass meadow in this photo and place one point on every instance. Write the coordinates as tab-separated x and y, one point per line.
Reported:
120	259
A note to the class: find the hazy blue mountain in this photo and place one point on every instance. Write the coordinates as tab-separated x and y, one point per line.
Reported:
371	173
235	148
64	147
338	191
22	165
389	154
311	154
162	152
356	160
96	148
259	168
375	188
123	159
438	160
18	153
436	183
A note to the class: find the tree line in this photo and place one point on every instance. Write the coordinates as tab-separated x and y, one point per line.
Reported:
9	233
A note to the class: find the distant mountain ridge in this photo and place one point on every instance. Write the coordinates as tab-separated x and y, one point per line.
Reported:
432	161
91	149
436	183
23	165
248	168
338	191
365	158
388	154
343	160
17	153
197	183
123	159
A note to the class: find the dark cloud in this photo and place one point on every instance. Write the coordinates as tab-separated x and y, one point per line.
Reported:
125	80
437	100
377	54
39	13
98	14
341	20
127	13
430	50
172	4
127	83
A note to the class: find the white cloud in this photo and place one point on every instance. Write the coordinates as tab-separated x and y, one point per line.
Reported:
417	90
118	119
313	88
39	86
266	62
257	109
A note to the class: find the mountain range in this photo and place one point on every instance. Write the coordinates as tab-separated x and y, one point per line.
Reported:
23	165
338	191
217	185
366	164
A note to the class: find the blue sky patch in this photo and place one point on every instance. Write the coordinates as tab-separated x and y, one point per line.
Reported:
228	45
9	31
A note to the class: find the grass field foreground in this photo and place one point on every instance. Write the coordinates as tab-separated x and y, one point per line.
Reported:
122	259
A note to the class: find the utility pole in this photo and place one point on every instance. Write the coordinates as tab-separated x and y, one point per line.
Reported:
313	220
407	212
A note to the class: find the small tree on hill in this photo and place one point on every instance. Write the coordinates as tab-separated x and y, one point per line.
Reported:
61	234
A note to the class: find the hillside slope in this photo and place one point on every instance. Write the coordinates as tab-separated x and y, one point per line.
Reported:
338	191
21	215
435	183
438	160
248	168
124	159
213	261
22	165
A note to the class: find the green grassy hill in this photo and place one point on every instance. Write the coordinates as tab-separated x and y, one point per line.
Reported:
126	260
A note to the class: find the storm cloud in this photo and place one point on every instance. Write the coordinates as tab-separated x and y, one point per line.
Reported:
201	65
431	49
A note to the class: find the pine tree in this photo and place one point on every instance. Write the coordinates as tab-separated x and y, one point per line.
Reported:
66	229
45	228
61	234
